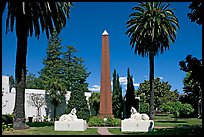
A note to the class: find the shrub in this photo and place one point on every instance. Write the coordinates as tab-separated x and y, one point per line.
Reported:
177	108
144	108
97	121
186	110
7	119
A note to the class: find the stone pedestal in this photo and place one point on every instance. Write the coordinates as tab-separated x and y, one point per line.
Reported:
76	125
129	125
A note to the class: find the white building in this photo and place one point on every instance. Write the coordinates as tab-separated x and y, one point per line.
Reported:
8	100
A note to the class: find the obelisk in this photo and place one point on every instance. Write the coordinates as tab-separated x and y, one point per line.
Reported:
105	87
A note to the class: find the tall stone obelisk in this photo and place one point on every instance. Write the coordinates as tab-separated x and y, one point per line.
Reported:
105	87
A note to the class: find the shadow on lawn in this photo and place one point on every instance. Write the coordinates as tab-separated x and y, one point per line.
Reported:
172	121
178	130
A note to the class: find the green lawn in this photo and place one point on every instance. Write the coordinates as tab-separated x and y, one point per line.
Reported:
186	130
49	130
183	126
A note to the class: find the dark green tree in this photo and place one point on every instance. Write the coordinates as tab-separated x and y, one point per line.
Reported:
163	93
151	29
196	15
76	74
33	82
51	74
130	100
117	96
193	81
30	17
94	101
11	83
197	11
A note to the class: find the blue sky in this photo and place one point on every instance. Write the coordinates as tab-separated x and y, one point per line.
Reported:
84	31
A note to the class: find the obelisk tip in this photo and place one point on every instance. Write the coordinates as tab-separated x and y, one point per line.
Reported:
105	32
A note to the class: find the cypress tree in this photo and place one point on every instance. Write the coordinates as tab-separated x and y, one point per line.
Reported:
130	100
117	96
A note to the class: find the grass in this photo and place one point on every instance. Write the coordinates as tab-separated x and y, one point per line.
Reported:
185	130
49	130
183	126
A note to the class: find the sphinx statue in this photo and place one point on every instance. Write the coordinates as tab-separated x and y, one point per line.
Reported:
69	117
137	116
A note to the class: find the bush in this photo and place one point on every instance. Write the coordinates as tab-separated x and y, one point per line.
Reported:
7	119
186	110
97	121
177	108
144	108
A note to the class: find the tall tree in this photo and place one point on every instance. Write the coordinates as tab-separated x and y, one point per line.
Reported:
151	29
196	15
75	75
130	100
51	74
162	90
117	96
193	80
30	17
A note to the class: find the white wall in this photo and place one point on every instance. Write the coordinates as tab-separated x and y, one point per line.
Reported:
8	99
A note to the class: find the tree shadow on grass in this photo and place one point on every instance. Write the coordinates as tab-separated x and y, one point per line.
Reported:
178	130
172	121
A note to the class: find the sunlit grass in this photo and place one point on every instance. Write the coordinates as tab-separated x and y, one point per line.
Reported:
49	131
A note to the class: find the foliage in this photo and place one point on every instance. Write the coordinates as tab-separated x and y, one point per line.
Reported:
117	96
186	110
193	80
51	73
33	82
197	12
94	102
177	108
144	108
30	17
11	83
97	121
73	69
162	92
75	76
130	96
7	119
78	101
151	28
193	66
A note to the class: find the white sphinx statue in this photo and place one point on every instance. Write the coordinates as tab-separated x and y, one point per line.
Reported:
70	122
69	117
137	122
137	116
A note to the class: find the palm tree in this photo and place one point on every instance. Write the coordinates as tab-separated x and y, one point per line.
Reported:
30	17
151	29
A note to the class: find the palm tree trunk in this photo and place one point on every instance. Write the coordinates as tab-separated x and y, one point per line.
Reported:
151	78
20	75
